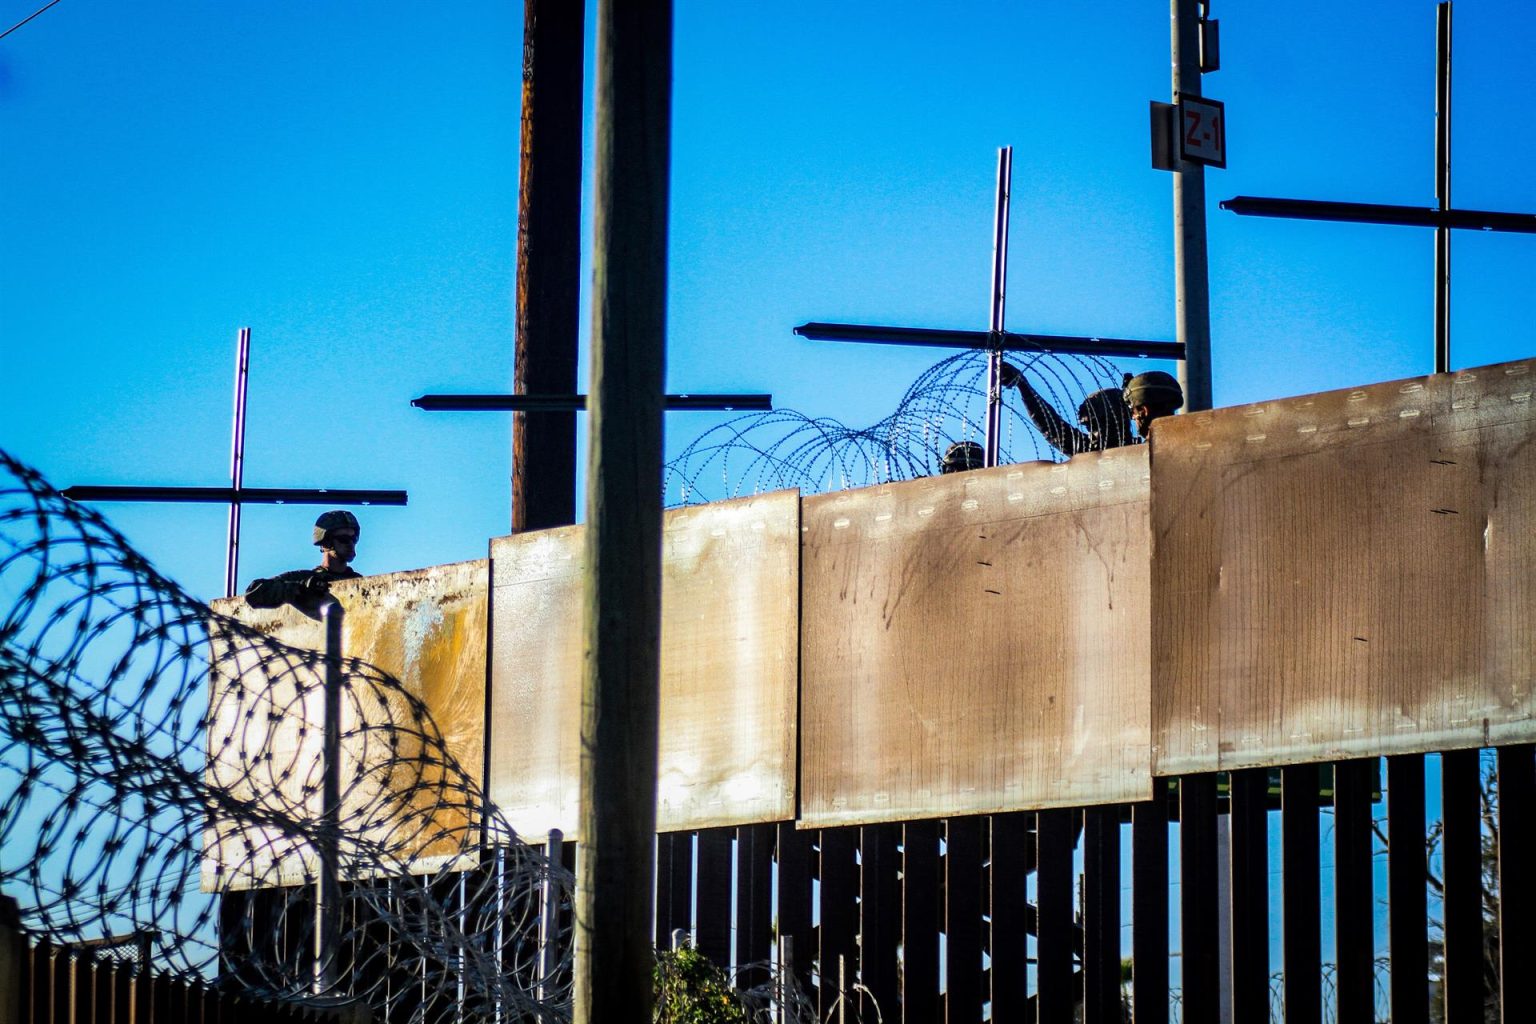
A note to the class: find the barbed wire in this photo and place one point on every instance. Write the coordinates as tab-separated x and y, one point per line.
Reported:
160	781
768	451
161	764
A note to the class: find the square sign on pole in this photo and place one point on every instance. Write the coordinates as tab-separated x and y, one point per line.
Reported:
1202	131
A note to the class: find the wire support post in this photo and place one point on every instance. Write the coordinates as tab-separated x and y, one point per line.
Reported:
1443	186
328	839
928	337
999	300
531	403
237	461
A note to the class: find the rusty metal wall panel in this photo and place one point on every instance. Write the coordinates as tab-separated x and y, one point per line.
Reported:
1346	574
730	615
427	629
977	643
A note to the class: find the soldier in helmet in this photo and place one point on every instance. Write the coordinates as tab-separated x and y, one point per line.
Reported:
336	534
961	456
1102	415
1150	396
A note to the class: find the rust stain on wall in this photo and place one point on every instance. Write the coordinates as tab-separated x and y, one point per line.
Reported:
413	754
977	643
730	580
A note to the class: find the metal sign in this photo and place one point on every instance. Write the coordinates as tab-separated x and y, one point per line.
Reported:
1202	130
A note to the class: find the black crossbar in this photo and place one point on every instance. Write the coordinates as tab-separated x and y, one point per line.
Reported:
923	336
578	403
1378	213
229	495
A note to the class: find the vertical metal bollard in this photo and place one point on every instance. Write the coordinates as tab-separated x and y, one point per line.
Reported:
328	842
549	916
13	963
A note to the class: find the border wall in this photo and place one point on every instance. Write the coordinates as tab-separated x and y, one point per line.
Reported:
892	717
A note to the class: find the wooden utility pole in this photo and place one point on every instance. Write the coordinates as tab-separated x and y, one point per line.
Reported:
622	600
548	262
1191	277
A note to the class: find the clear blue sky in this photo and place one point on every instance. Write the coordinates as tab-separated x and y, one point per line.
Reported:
342	177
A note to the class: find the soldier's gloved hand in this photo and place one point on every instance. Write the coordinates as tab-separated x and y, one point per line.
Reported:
1010	376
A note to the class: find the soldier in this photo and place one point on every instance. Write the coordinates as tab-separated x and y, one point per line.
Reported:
1150	396
336	534
961	456
1102	416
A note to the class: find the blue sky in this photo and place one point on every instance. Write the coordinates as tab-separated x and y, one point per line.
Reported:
342	178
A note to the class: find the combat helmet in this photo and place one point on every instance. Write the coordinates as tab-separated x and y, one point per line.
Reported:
961	456
1154	389
336	519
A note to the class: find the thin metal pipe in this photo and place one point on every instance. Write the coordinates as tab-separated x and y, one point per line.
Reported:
1381	213
578	403
237	461
999	303
224	495
328	839
1443	186
549	917
925	337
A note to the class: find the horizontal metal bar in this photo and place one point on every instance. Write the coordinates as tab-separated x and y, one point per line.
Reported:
924	336
229	495
578	403
1377	213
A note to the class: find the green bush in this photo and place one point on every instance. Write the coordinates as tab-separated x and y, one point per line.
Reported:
691	989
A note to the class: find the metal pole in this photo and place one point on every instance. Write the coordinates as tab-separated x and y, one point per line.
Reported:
1192	302
237	462
785	983
1443	186
997	313
548	261
622	593
328	837
13	964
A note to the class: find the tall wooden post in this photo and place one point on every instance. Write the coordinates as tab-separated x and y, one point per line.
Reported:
1191	277
548	263
622	602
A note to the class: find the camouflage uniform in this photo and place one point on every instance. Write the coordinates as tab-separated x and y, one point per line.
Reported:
305	589
1104	411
